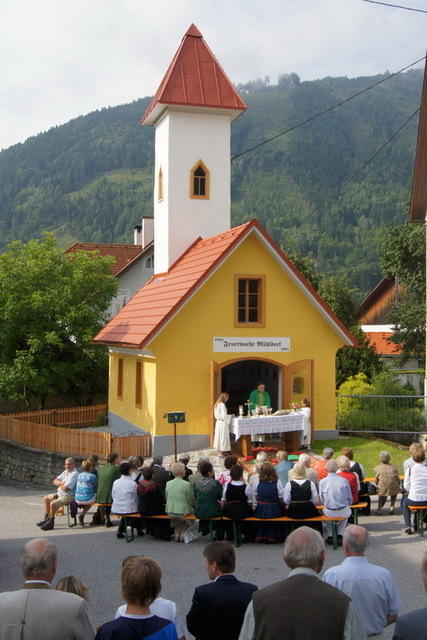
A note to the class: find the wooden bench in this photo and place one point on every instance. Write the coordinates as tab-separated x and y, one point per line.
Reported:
419	512
236	524
354	508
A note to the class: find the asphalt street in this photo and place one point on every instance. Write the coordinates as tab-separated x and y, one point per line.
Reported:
95	554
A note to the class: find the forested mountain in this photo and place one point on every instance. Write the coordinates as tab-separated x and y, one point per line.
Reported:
91	179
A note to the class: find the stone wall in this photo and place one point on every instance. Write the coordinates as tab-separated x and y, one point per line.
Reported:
33	466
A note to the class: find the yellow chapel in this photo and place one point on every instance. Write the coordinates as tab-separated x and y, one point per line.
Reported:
225	308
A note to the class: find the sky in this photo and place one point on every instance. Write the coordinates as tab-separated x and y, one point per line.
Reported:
60	59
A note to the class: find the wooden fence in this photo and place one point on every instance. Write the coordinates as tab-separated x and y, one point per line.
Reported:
70	417
132	446
57	439
72	442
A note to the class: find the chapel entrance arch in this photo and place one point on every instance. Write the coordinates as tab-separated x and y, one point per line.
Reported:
240	377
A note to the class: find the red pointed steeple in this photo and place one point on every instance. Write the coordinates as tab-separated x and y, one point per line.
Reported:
194	79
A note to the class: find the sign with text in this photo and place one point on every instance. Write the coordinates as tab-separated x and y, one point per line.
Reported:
252	345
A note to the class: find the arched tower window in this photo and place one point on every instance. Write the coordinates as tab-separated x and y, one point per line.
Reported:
160	185
199	181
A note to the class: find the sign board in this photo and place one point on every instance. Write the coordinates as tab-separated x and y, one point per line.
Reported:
175	416
251	345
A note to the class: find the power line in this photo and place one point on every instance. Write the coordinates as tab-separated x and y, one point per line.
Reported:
321	113
362	166
396	6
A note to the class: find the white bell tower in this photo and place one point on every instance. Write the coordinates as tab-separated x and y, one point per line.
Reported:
192	112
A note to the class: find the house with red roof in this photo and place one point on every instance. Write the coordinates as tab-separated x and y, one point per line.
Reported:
132	265
373	313
225	307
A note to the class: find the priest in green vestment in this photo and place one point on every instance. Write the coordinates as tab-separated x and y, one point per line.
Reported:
259	396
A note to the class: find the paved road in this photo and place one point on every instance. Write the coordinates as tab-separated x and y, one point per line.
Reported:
95	555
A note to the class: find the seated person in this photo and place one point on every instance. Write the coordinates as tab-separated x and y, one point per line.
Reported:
86	489
208	493
179	500
353	479
141	585
388	482
125	498
284	466
320	467
335	495
415	483
236	506
224	477
300	494
65	484
268	493
185	459
152	503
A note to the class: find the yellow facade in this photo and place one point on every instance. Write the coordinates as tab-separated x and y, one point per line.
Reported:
179	375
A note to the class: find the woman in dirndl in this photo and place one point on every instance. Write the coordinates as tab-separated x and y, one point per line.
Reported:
268	492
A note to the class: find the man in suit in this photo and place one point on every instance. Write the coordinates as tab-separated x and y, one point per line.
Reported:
218	608
160	475
414	624
302	606
37	610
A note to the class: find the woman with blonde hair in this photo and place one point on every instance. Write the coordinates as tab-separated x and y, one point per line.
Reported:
72	584
300	494
222	434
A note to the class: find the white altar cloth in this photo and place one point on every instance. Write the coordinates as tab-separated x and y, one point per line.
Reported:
268	424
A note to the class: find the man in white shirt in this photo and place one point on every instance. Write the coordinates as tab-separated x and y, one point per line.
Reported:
38	611
66	486
371	588
335	495
415	483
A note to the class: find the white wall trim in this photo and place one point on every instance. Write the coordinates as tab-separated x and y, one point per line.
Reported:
132	352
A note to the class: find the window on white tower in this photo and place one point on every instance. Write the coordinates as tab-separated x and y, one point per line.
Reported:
199	181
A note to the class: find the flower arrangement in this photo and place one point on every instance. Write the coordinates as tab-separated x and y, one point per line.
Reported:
295	405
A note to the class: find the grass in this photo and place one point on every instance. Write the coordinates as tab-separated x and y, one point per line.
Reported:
366	451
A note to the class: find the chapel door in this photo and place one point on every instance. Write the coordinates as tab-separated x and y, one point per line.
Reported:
215	391
299	383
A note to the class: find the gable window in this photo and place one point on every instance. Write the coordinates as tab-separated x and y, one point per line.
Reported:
160	185
120	379
199	181
249	301
138	384
149	263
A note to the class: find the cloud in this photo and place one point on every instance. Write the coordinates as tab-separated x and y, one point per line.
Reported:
63	59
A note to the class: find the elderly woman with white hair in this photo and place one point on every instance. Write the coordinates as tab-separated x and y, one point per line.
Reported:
353	479
300	494
179	500
388	481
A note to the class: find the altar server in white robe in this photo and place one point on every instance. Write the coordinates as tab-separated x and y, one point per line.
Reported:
306	433
222	433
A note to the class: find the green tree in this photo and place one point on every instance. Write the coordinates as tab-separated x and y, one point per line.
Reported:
403	256
51	306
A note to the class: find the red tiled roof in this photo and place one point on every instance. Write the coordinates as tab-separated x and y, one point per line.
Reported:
123	253
380	343
194	78
159	298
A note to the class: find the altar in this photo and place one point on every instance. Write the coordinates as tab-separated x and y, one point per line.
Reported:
289	425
